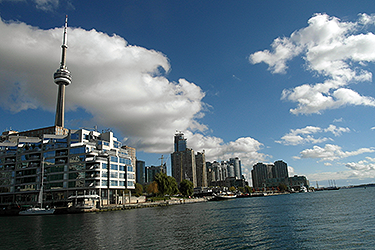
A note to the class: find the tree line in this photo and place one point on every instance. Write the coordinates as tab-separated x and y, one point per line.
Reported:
166	185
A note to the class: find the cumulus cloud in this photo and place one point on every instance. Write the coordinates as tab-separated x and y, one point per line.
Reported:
331	48
45	5
355	170
245	148
305	135
122	86
331	152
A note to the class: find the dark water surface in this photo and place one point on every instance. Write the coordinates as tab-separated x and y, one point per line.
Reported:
343	219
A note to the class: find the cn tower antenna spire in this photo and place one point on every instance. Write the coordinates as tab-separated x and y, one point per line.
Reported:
64	46
62	77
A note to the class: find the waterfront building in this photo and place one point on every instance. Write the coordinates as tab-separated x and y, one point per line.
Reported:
296	182
132	152
271	176
259	175
280	169
79	163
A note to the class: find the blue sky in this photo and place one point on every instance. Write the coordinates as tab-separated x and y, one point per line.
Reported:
258	80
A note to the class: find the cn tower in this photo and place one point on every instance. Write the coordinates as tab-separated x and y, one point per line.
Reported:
62	78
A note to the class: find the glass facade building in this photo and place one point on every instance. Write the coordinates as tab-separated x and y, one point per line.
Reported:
80	162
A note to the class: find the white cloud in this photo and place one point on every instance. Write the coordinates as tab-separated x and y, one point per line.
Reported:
331	48
245	148
305	135
291	171
331	152
338	120
122	86
356	170
284	50
336	131
45	5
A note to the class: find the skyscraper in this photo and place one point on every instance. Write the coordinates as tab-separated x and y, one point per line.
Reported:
201	173
237	167
62	78
280	170
186	165
179	142
269	175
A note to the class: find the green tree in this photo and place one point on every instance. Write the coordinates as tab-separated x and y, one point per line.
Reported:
166	184
152	188
232	189
138	189
186	188
282	187
249	189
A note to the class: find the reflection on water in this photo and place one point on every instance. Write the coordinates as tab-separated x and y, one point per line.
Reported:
342	219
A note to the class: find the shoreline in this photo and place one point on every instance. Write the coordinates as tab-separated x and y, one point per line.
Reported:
128	206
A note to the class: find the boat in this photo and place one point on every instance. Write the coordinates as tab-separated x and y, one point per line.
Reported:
303	189
83	201
39	210
224	196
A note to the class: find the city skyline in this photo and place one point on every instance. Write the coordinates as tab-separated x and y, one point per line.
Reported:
258	81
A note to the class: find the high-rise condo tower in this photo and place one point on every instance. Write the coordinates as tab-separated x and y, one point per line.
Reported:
62	77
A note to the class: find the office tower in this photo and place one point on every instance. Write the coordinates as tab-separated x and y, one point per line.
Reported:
141	172
179	142
201	173
259	174
280	170
184	166
237	167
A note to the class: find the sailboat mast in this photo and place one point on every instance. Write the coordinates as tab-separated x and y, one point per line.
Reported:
40	198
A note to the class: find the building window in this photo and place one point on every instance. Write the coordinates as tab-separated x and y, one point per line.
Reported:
78	150
48	154
77	158
76	167
55	177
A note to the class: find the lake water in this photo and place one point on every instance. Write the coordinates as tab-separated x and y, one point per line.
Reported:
342	219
